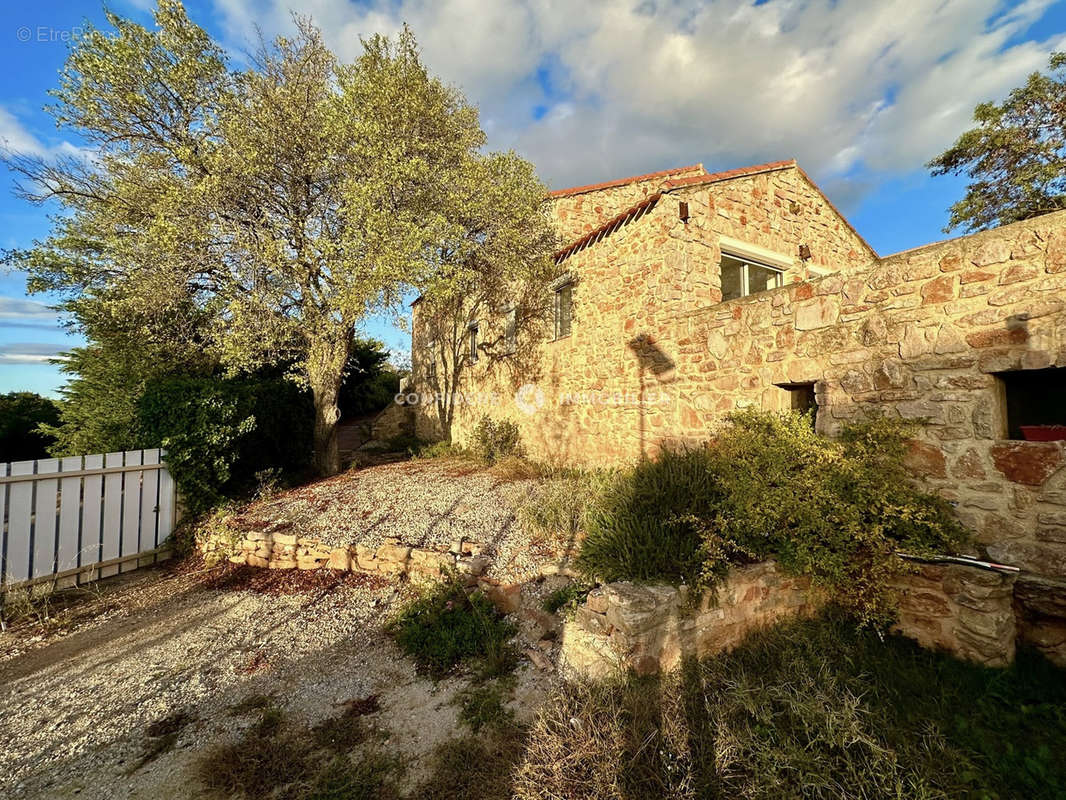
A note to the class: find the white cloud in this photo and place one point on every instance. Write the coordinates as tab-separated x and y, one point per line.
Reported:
17	139
29	353
842	86
18	309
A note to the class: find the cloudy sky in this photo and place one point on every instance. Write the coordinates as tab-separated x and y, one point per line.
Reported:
861	92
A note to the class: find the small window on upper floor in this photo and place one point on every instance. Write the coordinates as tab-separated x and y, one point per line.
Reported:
564	305
1035	403
742	276
471	334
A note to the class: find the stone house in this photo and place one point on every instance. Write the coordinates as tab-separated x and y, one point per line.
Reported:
683	295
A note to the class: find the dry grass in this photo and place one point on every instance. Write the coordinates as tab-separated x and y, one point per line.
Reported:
812	709
475	767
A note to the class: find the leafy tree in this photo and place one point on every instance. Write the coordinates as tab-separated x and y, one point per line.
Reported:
496	271
21	416
370	382
1015	157
280	202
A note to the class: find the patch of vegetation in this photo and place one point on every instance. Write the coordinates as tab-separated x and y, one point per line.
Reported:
516	468
558	510
251	704
444	627
162	736
275	759
345	731
476	767
370	777
494	440
439	450
770	487
813	708
570	595
483	705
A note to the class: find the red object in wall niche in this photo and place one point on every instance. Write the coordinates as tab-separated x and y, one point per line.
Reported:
1044	433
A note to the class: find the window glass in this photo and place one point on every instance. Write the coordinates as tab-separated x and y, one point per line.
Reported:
473	342
761	278
732	278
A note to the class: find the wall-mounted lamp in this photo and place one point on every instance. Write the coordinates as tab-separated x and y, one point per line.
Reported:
682	211
805	252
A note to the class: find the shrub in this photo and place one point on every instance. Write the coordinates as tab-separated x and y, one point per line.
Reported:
768	486
814	709
219	433
444	627
495	439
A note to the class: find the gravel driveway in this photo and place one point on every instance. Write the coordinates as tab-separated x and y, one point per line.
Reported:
75	703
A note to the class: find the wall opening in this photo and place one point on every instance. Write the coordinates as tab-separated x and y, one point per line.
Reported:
802	398
1034	403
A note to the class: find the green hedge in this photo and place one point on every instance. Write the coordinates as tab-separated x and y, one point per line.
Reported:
770	487
219	433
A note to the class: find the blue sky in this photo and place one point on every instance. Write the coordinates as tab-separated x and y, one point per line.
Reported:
862	93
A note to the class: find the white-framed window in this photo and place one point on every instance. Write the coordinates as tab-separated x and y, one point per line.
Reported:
471	341
743	276
564	306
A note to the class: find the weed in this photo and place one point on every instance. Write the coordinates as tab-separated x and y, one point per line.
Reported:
485	705
251	703
345	731
494	440
269	722
475	767
570	595
162	736
444	627
368	778
439	450
516	468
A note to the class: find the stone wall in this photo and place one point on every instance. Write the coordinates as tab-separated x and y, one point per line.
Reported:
649	628
276	548
962	610
577	211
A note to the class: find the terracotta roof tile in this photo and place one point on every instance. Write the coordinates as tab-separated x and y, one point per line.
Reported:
593	187
608	227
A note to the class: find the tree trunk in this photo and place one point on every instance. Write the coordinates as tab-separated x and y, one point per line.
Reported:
326	361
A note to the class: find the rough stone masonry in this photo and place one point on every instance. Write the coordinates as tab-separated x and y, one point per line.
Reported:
932	334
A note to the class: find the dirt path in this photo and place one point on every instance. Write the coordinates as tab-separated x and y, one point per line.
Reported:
75	705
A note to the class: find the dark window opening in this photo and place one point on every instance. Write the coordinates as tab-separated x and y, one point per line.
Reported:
564	299
472	343
1035	403
801	398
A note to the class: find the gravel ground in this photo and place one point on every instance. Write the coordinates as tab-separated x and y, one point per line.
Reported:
76	699
424	503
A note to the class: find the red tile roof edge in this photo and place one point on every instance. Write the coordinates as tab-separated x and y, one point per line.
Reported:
570	249
741	172
593	187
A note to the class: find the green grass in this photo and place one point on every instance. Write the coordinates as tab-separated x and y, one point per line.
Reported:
813	709
571	594
485	705
444	627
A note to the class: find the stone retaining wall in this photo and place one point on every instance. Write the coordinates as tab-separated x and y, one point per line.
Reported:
650	628
278	549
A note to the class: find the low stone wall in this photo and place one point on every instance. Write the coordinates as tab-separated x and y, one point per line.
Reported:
277	549
650	628
1040	611
964	610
